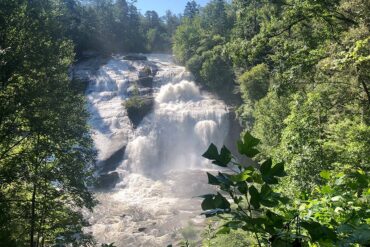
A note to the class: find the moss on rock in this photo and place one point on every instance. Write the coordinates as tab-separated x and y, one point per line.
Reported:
138	107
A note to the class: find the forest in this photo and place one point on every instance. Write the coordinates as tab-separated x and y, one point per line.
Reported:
297	73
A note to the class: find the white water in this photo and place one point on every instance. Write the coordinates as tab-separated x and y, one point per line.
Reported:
162	169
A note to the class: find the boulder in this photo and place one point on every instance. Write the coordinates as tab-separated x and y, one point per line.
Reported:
133	91
107	181
142	229
113	161
145	77
138	107
145	81
145	72
135	58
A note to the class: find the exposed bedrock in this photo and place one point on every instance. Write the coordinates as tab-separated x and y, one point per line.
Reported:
113	161
141	99
135	57
138	107
107	181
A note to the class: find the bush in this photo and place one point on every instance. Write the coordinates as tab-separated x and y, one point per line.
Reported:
333	214
216	72
254	83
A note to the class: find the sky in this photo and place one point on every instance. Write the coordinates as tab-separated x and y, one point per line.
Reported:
160	6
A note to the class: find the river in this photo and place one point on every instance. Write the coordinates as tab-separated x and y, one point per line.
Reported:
159	161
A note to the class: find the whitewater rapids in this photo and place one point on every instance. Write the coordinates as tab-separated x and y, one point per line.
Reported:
162	170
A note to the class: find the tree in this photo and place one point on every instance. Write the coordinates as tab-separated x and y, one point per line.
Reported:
214	18
172	22
186	40
157	38
191	9
254	83
216	72
46	152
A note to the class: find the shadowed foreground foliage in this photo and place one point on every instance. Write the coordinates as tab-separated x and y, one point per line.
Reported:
250	198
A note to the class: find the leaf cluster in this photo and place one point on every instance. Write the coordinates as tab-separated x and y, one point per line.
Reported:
248	198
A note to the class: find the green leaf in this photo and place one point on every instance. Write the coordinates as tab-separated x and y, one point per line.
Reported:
224	180
319	232
207	203
266	167
212	179
221	159
234	224
255	197
325	175
241	177
257	178
361	235
268	197
276	221
278	170
212	201
225	155
270	173
247	145
266	172
326	189
221	202
223	230
243	187
211	153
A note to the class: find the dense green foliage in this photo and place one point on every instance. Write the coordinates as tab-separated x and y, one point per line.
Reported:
107	26
47	157
299	72
333	214
198	44
46	153
301	69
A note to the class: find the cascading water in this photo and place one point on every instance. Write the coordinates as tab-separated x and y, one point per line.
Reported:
162	169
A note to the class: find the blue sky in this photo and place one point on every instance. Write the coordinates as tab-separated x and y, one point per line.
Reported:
160	6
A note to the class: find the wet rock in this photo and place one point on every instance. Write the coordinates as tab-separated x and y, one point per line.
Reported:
145	81
141	229
145	72
138	107
235	129
134	90
107	181
113	161
135	58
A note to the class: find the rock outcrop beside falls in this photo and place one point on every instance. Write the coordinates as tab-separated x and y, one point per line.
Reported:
138	108
107	181
141	99
135	57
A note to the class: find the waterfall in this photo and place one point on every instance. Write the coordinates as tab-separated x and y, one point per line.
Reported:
161	170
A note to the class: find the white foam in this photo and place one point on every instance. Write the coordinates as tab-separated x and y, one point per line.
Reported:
163	169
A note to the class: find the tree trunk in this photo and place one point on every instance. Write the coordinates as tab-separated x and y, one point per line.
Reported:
33	216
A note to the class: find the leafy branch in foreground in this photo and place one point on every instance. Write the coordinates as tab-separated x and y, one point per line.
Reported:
248	199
